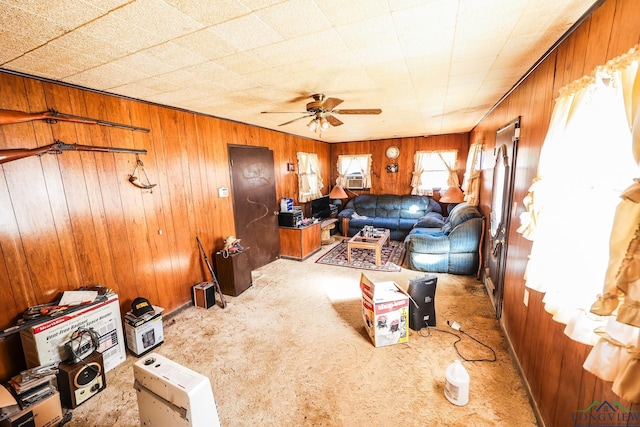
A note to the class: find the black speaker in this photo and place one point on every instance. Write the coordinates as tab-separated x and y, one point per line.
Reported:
77	382
423	291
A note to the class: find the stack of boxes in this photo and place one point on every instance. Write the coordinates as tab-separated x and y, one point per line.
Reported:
143	327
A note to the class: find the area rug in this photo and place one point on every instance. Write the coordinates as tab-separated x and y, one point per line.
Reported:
391	256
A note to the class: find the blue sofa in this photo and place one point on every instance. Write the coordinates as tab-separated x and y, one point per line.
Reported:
397	213
446	245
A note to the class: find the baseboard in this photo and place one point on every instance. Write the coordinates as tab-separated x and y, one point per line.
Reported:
516	362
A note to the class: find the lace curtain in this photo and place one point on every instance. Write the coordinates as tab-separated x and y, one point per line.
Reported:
310	182
351	163
471	180
582	229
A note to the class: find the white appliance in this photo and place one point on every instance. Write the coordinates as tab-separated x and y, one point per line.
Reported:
355	181
171	395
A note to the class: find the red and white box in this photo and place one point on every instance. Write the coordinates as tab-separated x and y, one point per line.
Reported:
44	343
385	311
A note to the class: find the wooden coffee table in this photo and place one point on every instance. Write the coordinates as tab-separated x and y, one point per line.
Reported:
381	237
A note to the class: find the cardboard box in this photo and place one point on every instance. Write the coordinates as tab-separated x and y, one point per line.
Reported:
48	411
8	404
144	333
385	311
44	343
23	418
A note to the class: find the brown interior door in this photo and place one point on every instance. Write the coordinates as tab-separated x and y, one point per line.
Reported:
499	217
254	201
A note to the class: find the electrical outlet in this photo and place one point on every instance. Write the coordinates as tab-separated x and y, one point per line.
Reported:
526	298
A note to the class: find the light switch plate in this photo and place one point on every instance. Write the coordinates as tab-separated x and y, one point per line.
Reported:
223	192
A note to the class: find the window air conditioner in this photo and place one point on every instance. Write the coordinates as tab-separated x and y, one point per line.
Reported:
355	182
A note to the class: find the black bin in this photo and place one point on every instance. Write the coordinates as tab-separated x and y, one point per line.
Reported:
423	291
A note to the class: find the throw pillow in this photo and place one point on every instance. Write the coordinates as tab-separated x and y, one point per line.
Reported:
430	220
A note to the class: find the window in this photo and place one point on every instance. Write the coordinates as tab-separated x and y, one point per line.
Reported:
582	219
309	179
354	171
434	169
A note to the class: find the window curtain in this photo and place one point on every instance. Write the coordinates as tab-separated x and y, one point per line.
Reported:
453	180
349	163
583	216
310	182
471	180
419	159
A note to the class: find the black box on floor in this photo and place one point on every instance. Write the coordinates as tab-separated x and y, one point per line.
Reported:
423	293
23	418
204	295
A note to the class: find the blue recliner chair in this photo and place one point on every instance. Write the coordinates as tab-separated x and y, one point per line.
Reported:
446	245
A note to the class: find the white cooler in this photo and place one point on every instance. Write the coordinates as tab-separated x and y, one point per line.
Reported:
171	395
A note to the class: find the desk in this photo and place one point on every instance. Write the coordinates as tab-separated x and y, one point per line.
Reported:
326	226
299	242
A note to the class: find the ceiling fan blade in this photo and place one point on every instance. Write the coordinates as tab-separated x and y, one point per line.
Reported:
358	111
283	112
294	120
331	103
333	121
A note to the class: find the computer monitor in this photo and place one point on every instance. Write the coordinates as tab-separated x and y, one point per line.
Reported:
321	207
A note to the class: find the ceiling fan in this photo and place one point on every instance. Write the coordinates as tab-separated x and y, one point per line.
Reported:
322	110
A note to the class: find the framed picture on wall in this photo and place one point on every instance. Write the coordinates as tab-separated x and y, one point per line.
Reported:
392	167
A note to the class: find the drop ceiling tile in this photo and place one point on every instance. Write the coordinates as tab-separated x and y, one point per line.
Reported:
371	32
248	32
276	54
210	12
175	97
85	44
105	5
206	44
241	63
144	62
157	17
144	88
13	45
340	12
57	62
112	74
311	46
117	32
174	55
37	28
387	53
66	14
294	18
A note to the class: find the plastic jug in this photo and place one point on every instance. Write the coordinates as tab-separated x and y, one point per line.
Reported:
456	388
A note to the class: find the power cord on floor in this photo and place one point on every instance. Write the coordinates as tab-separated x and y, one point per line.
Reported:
456	326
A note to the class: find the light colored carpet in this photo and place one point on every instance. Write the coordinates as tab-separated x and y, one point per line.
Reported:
292	351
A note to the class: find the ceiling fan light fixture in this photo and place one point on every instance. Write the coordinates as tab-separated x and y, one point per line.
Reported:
313	125
324	124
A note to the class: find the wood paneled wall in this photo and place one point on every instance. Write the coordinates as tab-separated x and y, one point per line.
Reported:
384	182
551	362
73	219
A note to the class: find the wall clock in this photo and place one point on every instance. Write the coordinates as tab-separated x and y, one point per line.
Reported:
393	152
